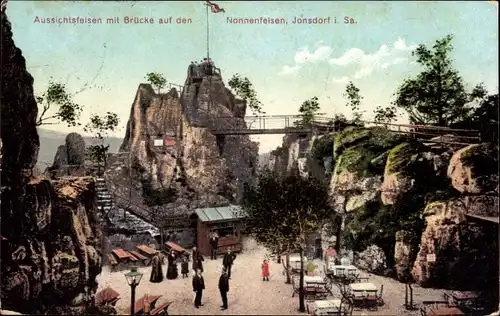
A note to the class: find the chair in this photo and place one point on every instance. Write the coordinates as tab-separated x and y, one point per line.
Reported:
162	309
380	300
346	306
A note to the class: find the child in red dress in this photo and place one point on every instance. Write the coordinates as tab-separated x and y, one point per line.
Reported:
265	271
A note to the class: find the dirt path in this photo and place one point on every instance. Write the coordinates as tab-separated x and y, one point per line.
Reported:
248	294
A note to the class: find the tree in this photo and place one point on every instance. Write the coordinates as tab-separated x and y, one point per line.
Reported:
385	115
282	210
244	89
437	95
353	101
156	80
309	109
100	126
57	98
483	118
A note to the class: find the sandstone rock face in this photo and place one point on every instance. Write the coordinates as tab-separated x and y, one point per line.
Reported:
50	243
196	168
469	172
462	249
57	251
404	255
69	159
20	141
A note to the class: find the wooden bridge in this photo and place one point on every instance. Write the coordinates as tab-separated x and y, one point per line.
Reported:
292	124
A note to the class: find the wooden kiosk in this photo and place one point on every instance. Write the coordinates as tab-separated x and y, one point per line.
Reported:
226	221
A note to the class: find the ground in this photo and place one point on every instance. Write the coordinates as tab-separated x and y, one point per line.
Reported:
248	294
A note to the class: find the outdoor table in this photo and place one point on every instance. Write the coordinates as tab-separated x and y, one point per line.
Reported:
464	296
324	307
313	279
295	263
363	289
349	270
445	311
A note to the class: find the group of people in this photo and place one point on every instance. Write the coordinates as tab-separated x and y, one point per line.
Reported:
199	282
197	266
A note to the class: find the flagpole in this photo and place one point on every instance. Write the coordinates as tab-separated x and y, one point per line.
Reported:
208	36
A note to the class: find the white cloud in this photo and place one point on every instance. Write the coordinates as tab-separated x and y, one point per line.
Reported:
322	53
364	63
303	56
383	58
340	80
289	70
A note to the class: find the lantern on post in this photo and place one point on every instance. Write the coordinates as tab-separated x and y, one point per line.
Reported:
133	279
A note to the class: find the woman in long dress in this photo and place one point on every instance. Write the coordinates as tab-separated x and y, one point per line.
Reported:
156	269
172	272
197	260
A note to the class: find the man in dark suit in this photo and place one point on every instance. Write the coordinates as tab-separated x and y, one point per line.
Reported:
224	288
214	239
228	261
198	287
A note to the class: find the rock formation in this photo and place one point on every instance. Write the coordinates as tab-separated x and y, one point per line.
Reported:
406	200
69	159
196	168
50	241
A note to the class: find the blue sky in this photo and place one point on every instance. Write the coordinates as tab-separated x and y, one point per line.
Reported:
286	63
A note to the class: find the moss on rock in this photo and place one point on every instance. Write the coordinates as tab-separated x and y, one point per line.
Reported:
482	159
361	146
402	156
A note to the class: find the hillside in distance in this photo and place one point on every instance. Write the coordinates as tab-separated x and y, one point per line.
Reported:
50	140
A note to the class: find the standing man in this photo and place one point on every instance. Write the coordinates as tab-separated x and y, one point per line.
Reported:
198	287
224	288
228	261
214	239
197	260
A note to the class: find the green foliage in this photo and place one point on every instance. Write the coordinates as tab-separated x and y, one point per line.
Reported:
484	119
310	267
377	224
437	95
56	98
99	127
157	80
244	89
322	147
282	209
354	101
385	115
309	110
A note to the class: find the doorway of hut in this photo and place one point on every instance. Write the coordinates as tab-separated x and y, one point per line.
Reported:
318	249
193	222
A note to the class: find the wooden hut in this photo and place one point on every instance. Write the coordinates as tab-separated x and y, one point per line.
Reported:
226	221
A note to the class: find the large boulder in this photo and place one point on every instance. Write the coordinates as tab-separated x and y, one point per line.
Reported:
69	159
474	169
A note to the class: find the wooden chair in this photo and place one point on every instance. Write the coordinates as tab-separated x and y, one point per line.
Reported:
346	307
371	301
161	310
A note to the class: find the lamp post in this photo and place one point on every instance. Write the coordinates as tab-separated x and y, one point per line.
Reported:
133	279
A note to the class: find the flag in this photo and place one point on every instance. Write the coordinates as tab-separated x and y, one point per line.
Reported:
214	7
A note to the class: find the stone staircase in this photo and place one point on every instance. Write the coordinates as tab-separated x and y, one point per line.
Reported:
103	198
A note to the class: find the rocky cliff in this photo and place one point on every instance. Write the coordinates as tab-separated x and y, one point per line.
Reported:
192	167
50	242
406	200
